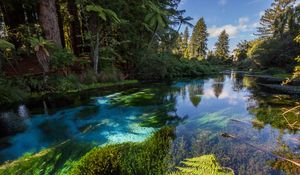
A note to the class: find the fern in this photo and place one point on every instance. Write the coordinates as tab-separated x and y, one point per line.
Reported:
204	165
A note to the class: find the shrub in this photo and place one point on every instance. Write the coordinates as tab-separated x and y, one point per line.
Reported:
65	84
167	66
273	51
10	93
6	49
61	58
89	77
110	74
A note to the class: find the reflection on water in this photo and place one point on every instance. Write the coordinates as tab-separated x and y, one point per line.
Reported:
200	109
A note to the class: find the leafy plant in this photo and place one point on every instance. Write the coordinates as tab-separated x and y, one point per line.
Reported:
10	93
61	59
41	47
6	49
206	164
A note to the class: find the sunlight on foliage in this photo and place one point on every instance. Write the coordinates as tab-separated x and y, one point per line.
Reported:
206	164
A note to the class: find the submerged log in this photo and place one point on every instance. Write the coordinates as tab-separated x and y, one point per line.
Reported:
282	88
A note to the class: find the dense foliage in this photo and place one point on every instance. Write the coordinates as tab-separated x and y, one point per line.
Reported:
275	47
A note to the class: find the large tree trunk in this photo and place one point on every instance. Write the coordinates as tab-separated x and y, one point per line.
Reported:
49	21
75	31
96	53
60	24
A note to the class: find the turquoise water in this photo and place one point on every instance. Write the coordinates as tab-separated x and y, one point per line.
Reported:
200	109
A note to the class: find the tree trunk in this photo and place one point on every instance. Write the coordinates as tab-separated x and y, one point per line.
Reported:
75	31
60	24
49	21
96	53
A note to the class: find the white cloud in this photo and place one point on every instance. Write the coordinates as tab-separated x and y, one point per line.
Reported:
223	2
234	30
230	29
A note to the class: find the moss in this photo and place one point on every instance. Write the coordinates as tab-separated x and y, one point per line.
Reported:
105	160
149	157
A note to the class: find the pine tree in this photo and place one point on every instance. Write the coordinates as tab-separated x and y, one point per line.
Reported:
185	43
222	46
275	20
198	44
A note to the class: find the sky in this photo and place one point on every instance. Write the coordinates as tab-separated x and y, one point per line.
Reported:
240	18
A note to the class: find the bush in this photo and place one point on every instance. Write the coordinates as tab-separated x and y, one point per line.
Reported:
89	77
10	93
65	84
167	66
110	74
273	52
61	58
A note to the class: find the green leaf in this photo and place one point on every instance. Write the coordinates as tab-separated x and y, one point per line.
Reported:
206	164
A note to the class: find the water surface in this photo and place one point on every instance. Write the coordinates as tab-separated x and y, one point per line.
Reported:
201	110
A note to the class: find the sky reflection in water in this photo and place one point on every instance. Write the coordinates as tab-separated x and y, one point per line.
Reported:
209	107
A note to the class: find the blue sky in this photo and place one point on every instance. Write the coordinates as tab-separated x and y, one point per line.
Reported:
240	18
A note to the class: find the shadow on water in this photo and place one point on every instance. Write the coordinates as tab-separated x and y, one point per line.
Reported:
200	109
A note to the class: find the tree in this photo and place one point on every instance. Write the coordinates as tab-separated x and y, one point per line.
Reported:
40	46
97	15
198	44
222	46
185	43
274	22
296	73
49	21
75	27
156	19
240	52
181	20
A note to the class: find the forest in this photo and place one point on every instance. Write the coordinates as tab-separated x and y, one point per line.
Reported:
91	62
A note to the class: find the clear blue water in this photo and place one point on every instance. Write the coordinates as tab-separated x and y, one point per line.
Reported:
201	110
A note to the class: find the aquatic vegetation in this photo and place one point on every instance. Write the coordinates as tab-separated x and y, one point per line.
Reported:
160	117
149	157
274	117
273	110
191	107
56	160
206	164
88	112
144	97
216	119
